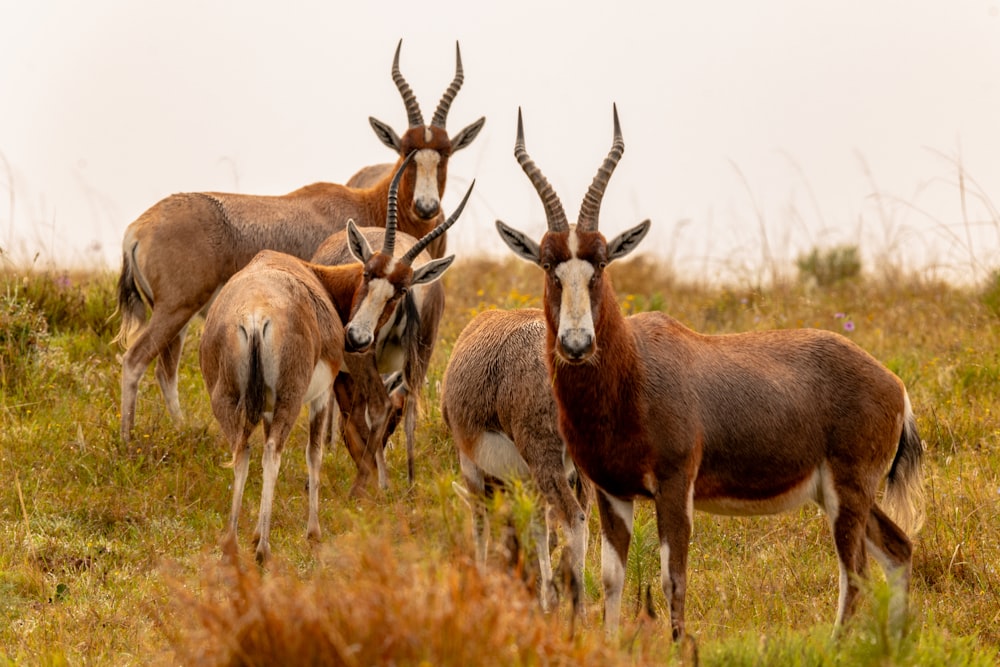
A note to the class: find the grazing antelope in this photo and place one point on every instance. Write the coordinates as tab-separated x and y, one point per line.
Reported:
179	253
496	401
750	423
404	344
274	339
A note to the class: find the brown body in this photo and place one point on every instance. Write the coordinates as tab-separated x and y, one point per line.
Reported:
751	423
179	253
496	401
272	341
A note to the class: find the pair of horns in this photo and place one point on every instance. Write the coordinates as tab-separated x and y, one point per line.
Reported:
591	207
413	114
389	243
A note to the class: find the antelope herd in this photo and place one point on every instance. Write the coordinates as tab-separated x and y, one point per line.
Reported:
575	397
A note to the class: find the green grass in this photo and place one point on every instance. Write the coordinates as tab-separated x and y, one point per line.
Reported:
111	555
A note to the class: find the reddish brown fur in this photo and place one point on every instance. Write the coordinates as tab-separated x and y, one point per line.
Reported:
739	424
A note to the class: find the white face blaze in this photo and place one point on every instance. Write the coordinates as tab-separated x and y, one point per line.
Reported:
576	320
361	329
425	192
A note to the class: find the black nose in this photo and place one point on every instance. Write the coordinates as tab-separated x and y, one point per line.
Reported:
576	345
356	341
427	210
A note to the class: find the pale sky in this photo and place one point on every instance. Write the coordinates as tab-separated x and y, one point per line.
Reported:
801	122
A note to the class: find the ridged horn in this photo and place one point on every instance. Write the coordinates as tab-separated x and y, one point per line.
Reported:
389	242
426	240
591	207
413	115
441	113
554	213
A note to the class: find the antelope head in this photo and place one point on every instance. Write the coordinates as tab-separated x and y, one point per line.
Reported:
386	279
574	257
430	143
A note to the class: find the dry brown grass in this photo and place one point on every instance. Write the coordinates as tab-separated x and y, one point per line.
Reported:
365	604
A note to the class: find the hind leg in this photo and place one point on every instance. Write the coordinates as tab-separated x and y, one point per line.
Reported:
314	461
848	520
167	368
475	495
894	552
150	343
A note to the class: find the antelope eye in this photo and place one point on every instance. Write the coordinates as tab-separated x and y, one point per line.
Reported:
546	266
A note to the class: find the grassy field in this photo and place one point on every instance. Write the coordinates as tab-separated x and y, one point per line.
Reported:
111	555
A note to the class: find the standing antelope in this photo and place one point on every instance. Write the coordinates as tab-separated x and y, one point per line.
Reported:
496	401
179	253
274	339
750	423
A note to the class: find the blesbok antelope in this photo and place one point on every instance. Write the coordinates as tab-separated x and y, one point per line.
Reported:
496	401
274	339
404	344
749	423
179	253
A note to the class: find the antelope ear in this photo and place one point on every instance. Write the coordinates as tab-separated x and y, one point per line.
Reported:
519	242
626	242
385	134
357	243
432	270
465	137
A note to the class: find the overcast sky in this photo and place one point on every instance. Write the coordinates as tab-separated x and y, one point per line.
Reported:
752	129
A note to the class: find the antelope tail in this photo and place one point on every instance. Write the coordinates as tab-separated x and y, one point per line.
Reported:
252	398
904	494
131	301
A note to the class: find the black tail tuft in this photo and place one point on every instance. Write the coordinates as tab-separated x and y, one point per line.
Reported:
130	302
254	391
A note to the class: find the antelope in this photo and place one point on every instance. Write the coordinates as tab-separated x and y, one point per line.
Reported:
177	254
404	344
274	340
740	424
496	402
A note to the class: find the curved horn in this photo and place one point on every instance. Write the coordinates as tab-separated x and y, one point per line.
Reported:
441	113
389	242
416	119
591	206
554	213
412	253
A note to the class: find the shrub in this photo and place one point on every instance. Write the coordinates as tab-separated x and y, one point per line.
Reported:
830	266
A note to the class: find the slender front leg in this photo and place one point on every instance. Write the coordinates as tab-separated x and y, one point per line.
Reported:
616	534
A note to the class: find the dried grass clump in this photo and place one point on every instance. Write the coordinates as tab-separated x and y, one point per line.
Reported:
368	605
